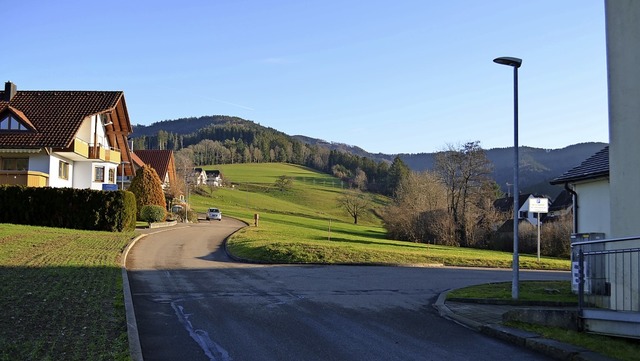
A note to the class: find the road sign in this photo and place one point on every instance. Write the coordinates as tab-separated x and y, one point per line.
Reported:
538	205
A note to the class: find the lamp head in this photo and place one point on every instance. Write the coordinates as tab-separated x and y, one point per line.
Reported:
506	60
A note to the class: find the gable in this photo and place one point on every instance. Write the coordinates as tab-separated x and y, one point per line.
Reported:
13	120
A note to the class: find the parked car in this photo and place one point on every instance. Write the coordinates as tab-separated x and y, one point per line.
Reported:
214	213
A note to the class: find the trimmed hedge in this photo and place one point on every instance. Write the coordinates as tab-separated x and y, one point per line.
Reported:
88	209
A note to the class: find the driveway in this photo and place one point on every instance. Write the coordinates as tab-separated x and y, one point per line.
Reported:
193	303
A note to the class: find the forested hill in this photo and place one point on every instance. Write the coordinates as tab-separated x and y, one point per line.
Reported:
244	140
537	166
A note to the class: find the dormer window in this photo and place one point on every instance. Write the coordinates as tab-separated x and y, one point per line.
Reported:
10	122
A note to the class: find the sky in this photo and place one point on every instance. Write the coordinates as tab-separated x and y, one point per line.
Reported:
391	77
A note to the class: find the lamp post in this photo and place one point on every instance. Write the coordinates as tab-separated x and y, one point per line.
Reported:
515	63
122	174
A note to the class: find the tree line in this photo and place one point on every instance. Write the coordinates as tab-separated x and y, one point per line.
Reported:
239	141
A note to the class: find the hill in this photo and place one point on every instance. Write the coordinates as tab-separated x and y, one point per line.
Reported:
305	224
537	166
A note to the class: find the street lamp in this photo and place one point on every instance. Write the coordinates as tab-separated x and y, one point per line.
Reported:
515	63
122	173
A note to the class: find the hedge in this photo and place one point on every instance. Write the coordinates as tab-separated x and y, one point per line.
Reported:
68	208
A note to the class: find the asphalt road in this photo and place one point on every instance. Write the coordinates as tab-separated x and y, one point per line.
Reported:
193	303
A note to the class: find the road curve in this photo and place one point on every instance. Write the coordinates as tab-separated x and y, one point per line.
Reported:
193	303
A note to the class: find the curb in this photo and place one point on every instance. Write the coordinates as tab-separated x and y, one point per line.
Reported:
135	350
532	341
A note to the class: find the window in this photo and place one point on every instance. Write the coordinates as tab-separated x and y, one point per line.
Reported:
63	170
99	174
112	175
10	122
15	163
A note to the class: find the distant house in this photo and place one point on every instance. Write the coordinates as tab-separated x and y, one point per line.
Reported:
162	162
214	178
199	176
207	177
506	205
561	206
75	139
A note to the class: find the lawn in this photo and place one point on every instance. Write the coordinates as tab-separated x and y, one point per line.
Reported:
61	294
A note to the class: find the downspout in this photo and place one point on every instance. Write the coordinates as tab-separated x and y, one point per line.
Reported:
575	206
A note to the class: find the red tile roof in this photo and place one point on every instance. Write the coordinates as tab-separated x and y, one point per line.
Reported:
55	115
157	159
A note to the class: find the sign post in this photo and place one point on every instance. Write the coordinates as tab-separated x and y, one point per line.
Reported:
539	205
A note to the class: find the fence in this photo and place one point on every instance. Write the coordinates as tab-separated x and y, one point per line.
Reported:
609	273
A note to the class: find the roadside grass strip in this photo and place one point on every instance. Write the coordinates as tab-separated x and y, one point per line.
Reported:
61	294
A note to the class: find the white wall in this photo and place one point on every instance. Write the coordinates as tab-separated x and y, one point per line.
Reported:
593	207
623	52
54	172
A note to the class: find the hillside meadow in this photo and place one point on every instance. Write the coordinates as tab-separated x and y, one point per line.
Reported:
305	224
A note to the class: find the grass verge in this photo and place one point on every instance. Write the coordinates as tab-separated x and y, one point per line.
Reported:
541	291
555	291
61	294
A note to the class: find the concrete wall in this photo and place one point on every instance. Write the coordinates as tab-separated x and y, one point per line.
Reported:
623	52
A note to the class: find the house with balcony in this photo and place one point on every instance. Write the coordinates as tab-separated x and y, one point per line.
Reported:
75	139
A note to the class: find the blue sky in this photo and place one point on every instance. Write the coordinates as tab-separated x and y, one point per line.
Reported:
398	76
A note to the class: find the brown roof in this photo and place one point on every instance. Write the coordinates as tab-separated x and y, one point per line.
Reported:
56	116
157	159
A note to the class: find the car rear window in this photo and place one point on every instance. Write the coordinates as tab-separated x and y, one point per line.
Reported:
213	210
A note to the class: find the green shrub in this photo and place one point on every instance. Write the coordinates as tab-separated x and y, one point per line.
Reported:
68	208
152	213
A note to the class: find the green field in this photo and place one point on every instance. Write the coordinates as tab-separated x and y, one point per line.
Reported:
306	225
61	294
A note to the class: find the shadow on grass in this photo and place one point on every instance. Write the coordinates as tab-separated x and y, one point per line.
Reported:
365	242
62	313
335	228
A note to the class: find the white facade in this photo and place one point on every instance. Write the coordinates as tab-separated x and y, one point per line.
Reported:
623	52
594	214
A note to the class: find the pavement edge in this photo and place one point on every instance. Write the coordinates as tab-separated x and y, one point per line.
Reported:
135	350
552	348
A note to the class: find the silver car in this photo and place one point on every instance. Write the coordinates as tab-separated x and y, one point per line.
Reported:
214	213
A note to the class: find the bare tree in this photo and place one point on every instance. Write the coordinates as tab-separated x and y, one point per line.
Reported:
465	171
360	179
418	213
355	203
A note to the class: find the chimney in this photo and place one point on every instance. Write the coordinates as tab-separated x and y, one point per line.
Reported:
10	90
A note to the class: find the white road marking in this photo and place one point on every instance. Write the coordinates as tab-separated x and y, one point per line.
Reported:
213	351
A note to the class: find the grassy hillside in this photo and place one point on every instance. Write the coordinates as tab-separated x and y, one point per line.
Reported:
305	224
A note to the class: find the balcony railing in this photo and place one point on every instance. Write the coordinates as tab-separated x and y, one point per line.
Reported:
24	177
110	155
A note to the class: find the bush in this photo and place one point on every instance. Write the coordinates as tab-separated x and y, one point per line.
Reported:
152	213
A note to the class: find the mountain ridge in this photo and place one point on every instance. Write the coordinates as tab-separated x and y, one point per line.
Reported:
537	165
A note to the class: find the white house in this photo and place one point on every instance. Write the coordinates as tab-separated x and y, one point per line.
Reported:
72	139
